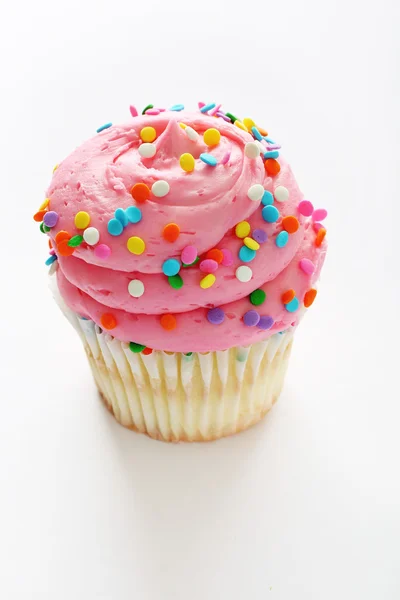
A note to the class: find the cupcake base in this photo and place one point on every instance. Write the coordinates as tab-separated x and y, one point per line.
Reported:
174	397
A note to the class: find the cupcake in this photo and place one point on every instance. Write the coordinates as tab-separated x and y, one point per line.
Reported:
185	256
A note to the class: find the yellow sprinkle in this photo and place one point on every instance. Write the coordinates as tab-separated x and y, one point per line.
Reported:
187	162
136	245
250	243
82	219
249	123
55	168
242	229
240	125
44	204
212	137
148	134
182	125
207	281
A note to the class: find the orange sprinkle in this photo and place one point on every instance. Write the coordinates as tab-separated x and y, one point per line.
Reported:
61	236
309	297
147	351
216	255
168	322
290	224
108	321
288	296
171	232
39	215
50	244
63	249
272	166
140	192
320	236
262	131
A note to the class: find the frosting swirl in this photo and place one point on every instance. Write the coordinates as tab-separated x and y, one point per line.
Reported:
128	275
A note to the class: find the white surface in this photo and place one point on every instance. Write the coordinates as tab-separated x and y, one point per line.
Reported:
305	505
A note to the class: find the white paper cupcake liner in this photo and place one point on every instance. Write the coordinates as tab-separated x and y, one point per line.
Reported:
175	397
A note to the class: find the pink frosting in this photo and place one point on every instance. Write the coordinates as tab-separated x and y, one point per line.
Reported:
206	204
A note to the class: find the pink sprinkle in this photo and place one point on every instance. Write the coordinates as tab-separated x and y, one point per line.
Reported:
306	208
161	109
208	265
227	261
214	110
226	158
201	104
320	214
307	266
52	252
189	255
152	111
223	116
317	227
133	110
102	251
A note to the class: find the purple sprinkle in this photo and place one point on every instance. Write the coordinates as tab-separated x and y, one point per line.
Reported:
273	147
226	158
260	236
216	316
223	116
251	318
50	218
265	322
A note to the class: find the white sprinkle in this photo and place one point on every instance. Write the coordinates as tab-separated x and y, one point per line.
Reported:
136	288
191	133
251	150
256	192
91	236
160	188
147	150
281	193
244	274
259	144
53	267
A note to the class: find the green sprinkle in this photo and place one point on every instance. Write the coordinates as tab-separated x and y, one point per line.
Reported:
175	281
191	264
45	228
188	353
147	108
232	117
257	297
136	347
75	241
41	227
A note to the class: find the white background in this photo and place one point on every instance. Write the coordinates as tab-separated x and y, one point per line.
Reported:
305	505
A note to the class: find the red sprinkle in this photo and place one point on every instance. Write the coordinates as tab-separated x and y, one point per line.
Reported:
288	296
309	297
168	322
216	255
108	321
320	236
272	166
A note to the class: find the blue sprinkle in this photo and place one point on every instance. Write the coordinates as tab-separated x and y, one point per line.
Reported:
271	154
177	107
256	134
134	214
121	216
267	139
246	254
293	305
282	239
209	159
207	107
114	227
171	267
50	260
106	126
270	213
267	198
